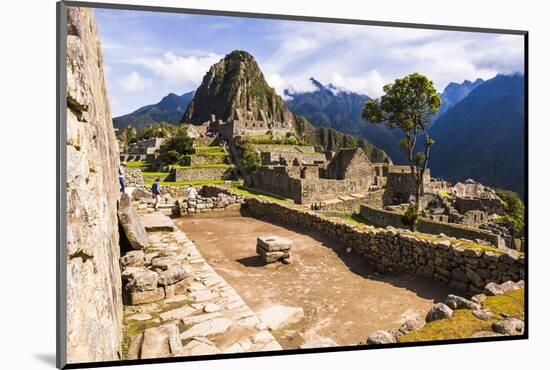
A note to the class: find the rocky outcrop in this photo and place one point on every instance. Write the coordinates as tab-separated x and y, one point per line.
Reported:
94	298
236	82
129	220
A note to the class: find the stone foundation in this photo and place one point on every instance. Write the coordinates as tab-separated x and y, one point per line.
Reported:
209	173
451	261
385	218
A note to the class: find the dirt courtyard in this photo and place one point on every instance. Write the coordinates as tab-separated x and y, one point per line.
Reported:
342	296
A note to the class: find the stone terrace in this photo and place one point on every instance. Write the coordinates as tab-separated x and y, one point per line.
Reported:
202	316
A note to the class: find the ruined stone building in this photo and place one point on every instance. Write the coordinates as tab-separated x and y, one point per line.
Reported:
143	150
246	124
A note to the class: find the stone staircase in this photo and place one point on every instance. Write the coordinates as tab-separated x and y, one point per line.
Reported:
202	316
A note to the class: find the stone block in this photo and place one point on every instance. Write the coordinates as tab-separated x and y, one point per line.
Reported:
148	296
131	224
279	316
272	243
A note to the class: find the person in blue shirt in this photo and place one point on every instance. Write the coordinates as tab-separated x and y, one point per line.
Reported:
121	176
155	189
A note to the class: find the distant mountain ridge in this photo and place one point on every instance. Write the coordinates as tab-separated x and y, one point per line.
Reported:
169	109
454	93
482	136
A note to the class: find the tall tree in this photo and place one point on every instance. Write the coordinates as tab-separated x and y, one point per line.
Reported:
409	105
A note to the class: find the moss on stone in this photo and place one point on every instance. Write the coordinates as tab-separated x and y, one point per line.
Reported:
463	324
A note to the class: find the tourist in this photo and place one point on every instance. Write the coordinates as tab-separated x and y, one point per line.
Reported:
191	192
155	189
121	176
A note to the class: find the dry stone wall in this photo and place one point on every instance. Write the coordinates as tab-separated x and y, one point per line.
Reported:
94	298
386	218
390	250
133	176
209	173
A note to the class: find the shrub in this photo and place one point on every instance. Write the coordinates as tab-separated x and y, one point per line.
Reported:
169	157
514	211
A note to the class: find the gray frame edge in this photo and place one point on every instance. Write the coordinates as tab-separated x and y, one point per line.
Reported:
61	186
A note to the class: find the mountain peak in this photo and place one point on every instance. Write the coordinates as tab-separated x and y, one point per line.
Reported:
235	82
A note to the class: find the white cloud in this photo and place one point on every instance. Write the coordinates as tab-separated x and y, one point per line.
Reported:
180	70
133	82
370	84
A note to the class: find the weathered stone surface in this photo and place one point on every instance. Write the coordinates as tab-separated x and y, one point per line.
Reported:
381	337
131	224
140	317
94	295
279	316
479	298
493	289
273	243
157	222
200	346
456	303
483	314
161	341
508	286
195	319
164	263
212	307
412	324
134	348
439	311
206	328
140	279
178	313
509	326
320	343
172	275
148	296
486	334
133	259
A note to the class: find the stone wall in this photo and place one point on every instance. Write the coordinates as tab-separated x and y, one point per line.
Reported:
282	148
273	158
491	206
202	159
387	218
133	176
94	297
285	182
449	261
207	173
352	204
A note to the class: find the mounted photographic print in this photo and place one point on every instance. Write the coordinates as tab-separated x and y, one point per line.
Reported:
235	184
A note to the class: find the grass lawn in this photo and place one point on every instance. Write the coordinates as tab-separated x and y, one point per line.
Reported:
137	164
463	324
256	194
155	174
208	149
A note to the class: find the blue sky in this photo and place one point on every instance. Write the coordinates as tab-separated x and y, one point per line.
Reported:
148	55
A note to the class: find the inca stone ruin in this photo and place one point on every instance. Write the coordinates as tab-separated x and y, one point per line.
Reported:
304	248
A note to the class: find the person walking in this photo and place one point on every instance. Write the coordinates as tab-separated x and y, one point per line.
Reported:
155	189
191	193
122	176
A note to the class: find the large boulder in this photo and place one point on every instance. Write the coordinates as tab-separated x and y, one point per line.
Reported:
381	337
509	326
411	325
172	275
439	311
129	220
493	289
140	279
456	303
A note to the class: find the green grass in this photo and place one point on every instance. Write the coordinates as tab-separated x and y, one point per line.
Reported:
137	164
208	149
256	194
463	324
155	174
215	165
211	154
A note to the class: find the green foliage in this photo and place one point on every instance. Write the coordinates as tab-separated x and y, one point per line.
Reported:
408	104
180	144
163	129
250	160
127	135
514	210
410	218
169	156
